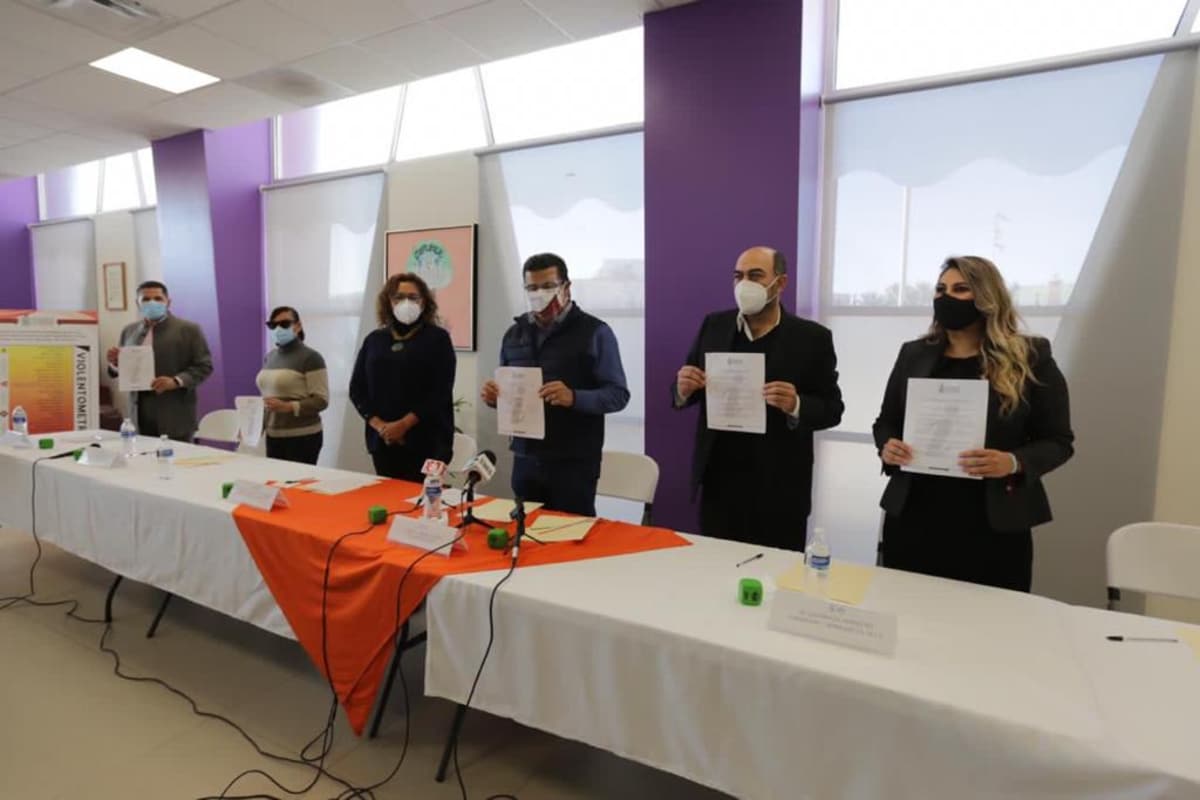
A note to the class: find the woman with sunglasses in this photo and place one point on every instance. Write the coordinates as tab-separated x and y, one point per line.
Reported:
295	389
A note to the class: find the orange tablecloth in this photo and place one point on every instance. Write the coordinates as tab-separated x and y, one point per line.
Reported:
291	547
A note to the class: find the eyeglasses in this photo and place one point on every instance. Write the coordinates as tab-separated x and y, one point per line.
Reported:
547	286
281	323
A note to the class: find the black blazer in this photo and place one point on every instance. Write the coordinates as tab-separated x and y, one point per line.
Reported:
804	357
1038	432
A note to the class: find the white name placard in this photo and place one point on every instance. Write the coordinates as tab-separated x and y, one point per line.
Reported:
838	623
99	457
257	495
425	534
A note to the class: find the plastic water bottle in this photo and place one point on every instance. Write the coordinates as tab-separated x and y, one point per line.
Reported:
818	558
20	426
166	458
128	438
432	491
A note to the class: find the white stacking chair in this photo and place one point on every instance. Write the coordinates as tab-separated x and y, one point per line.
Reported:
465	448
629	476
1154	558
219	426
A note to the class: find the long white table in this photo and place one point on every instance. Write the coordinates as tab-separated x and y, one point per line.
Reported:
991	694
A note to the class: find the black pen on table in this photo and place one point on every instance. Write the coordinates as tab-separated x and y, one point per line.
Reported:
748	560
1141	639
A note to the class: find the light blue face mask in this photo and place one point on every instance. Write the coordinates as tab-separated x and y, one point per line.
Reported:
153	310
283	336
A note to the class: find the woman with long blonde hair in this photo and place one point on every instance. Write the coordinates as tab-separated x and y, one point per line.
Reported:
955	527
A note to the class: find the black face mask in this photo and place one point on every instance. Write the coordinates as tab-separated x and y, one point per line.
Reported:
954	314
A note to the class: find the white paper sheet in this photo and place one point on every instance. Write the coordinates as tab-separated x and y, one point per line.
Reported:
135	368
250	411
734	389
942	419
519	410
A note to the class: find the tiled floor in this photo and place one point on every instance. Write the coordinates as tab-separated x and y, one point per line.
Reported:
72	730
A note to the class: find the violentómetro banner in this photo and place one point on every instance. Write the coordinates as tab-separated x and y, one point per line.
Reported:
50	367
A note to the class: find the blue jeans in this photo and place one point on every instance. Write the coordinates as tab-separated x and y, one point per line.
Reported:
567	485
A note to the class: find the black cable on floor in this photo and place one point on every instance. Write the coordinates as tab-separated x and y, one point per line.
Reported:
462	786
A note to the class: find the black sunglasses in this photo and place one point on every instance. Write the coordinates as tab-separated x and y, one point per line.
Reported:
283	323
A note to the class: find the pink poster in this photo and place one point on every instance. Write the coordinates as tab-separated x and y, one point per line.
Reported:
445	259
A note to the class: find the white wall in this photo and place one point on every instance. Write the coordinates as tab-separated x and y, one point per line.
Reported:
437	192
115	241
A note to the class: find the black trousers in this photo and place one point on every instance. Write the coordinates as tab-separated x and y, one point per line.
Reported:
301	449
567	485
399	462
974	552
727	511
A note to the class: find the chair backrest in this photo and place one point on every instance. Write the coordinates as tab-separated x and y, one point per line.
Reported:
464	450
1156	558
629	476
219	426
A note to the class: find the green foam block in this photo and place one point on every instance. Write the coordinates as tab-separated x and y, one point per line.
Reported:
750	592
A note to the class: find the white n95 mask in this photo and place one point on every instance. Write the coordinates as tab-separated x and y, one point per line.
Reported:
406	312
751	297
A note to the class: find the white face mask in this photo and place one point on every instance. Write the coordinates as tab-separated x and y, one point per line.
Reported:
751	297
538	299
406	312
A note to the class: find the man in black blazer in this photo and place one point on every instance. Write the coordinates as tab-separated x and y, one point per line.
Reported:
757	488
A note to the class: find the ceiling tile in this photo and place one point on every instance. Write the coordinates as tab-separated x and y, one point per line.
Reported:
219	106
351	21
124	139
13	131
595	18
295	86
355	68
502	28
34	114
99	18
11	80
42	32
59	150
425	49
200	49
261	26
35	62
185	9
427	9
87	89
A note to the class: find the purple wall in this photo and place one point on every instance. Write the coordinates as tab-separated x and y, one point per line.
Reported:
722	174
210	225
18	208
239	162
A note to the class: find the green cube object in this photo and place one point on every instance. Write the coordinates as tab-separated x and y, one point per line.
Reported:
226	488
377	515
750	592
46	444
497	538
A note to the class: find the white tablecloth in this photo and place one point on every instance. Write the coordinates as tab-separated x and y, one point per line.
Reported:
991	694
178	535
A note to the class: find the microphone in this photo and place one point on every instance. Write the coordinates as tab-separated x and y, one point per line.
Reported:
518	516
67	454
480	469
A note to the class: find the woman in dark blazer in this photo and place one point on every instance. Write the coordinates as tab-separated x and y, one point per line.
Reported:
403	381
975	530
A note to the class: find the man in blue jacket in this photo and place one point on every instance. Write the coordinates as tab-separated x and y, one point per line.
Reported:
583	381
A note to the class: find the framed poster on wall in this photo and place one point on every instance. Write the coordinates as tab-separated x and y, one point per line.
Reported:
445	259
114	286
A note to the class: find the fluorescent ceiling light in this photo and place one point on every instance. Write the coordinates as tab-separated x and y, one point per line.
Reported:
138	65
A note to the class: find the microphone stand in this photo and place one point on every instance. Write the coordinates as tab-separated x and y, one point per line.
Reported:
468	517
518	516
